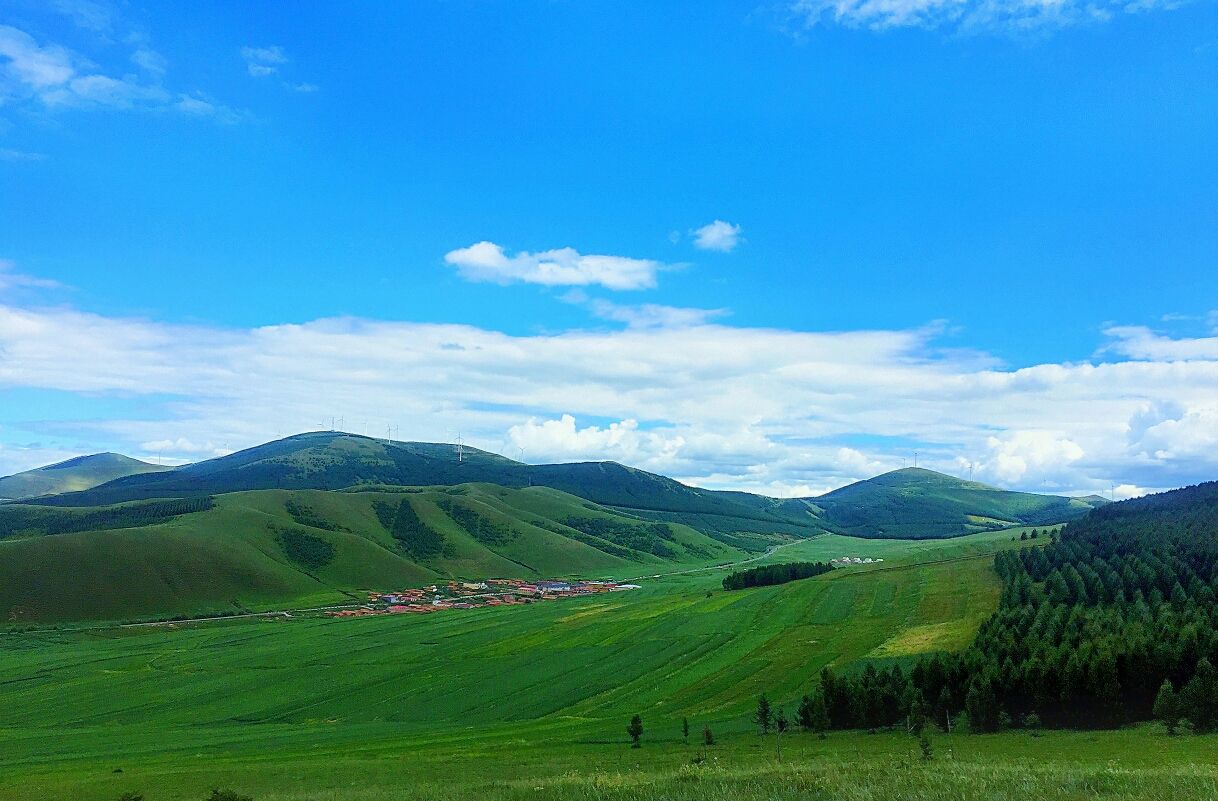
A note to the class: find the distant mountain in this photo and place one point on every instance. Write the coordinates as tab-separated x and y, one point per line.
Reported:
330	460
916	503
73	475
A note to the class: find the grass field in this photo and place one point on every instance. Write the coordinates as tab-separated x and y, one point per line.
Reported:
507	702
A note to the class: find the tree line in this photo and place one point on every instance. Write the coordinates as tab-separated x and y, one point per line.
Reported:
1113	622
768	575
19	518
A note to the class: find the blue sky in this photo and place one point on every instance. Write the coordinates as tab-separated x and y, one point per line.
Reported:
959	190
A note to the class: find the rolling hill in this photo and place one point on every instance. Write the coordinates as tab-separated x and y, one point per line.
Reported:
73	475
265	548
330	461
916	503
321	517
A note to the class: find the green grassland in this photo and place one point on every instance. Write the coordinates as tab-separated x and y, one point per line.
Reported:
501	702
231	557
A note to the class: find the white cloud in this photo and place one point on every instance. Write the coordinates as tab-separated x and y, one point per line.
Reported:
730	407
486	261
644	315
1139	342
10	279
622	441
54	77
87	14
182	446
1042	453
263	61
718	235
32	65
150	60
967	16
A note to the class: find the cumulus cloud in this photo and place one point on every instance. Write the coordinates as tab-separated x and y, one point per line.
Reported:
730	407
967	16
486	261
622	441
718	235
1043	453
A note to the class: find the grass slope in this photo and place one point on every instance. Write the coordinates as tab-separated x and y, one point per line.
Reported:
516	702
915	503
73	475
233	556
905	503
327	460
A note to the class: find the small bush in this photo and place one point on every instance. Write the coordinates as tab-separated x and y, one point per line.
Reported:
228	795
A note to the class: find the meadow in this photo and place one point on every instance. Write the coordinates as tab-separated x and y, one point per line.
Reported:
500	702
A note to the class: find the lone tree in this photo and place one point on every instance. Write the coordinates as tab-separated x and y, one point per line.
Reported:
1167	706
685	729
635	730
707	737
763	717
780	725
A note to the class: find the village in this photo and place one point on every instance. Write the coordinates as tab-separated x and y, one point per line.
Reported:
474	595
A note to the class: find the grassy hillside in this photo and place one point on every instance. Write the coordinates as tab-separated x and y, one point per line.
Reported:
904	503
274	548
918	503
512	702
326	460
73	475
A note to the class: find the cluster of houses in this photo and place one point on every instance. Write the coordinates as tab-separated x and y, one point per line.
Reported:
470	595
853	560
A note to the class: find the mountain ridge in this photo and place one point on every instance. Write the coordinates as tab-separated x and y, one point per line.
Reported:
75	474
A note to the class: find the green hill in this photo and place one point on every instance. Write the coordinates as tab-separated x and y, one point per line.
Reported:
917	503
328	460
73	475
275	548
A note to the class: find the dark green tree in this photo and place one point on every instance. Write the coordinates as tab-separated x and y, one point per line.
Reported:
707	737
1200	697
685	729
635	730
1167	706
982	707
764	716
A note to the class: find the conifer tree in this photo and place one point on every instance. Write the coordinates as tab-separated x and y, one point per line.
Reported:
1167	706
635	730
763	717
